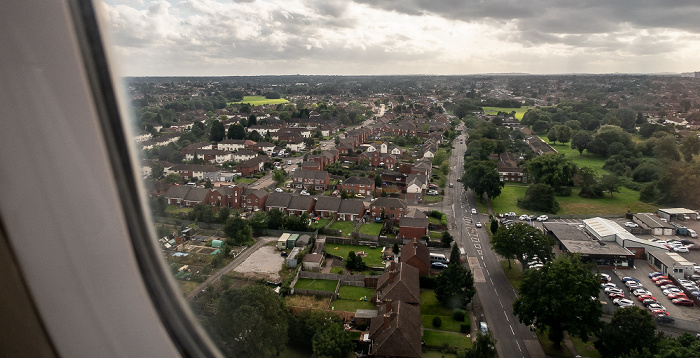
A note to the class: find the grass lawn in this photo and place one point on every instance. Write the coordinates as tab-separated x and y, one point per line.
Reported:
429	199
429	305
519	112
587	160
437	354
312	302
549	349
174	209
434	220
352	305
439	338
241	179
338	270
373	258
318	285
345	226
320	224
448	323
585	349
187	286
514	274
354	292
259	101
435	235
506	201
371	229
482	208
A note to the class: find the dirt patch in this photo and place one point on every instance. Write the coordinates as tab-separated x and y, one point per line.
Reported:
264	263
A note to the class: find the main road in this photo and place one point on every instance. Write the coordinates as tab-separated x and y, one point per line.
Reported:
493	302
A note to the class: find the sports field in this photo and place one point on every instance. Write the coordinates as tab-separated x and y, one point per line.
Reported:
519	112
259	101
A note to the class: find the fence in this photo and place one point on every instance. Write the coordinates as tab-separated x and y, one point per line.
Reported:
345	279
271	232
365	236
314	293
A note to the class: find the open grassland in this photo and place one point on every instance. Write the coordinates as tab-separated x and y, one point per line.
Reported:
259	101
430	199
317	285
585	160
373	258
312	302
626	200
519	112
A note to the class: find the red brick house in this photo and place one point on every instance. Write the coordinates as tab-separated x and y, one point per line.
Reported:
417	255
300	204
327	206
252	166
254	199
412	227
396	331
358	185
351	210
311	179
387	208
279	201
399	283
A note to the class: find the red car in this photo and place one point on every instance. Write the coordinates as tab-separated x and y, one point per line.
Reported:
661	277
641	298
659	313
683	302
672	296
663	282
615	295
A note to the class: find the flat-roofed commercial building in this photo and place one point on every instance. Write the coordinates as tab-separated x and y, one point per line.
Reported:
574	240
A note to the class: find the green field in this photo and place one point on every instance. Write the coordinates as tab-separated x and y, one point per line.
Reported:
174	209
352	305
241	179
320	224
587	160
448	323
440	338
371	229
259	101
345	226
620	203
585	349
318	285
355	293
429	199
519	112
429	305
373	258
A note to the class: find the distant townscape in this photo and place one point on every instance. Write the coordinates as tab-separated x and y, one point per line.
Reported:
422	216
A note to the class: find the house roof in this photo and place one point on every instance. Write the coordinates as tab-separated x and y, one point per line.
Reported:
177	191
396	332
278	200
253	162
300	202
258	193
389	202
313	258
359	180
413	222
415	248
399	283
351	206
196	194
310	174
328	203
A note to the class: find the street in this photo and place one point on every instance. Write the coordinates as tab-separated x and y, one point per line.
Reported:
495	296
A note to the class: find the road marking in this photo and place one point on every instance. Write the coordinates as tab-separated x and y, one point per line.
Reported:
478	246
490	279
505	314
518	343
501	303
480	254
511	329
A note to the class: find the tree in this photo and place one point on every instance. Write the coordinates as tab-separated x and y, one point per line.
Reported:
395	249
223	215
610	183
208	184
262	332
259	223
307	324
563	133
454	287
173	178
235	131
521	241
690	146
539	197
363	164
483	347
158	205
494	226
275	219
558	296
483	178
252	120
554	169
331	341
629	329
552	135
446	239
157	170
217	132
378	182
666	149
237	230
685	105
580	141
280	176
354	262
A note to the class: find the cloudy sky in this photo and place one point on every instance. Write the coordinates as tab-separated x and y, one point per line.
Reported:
374	37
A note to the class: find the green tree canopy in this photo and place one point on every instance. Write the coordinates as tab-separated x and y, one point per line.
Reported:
454	287
483	178
630	328
331	341
580	141
235	131
250	322
554	169
237	230
521	241
539	197
306	324
217	132
558	296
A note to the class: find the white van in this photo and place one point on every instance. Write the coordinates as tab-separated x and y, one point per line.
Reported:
438	258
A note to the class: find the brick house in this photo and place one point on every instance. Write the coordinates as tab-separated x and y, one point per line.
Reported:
416	254
279	201
326	206
396	331
413	227
351	210
399	283
387	208
252	166
300	204
358	185
254	199
311	179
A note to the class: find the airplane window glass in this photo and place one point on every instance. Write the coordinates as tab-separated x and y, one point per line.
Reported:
296	155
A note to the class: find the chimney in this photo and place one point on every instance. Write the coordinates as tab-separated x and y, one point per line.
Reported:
387	320
387	306
392	274
392	266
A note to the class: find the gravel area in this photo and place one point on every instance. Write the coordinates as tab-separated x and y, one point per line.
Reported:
264	263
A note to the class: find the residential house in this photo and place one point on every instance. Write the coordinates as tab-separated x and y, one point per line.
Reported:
388	208
279	201
399	283
378	159
351	210
358	185
414	225
231	145
312	262
311	165
311	179
296	144
195	196
396	331
416	254
254	199
176	194
327	206
202	172
266	147
416	186
243	155
300	204
508	169
252	166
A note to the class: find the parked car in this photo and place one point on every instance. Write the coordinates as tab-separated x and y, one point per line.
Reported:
663	319
659	313
608	284
305	193
614	295
631	224
660	277
654	274
670	291
524	217
542	218
675	295
640	291
604	277
683	302
279	190
656	306
452	185
629	278
663	282
623	302
613	289
641	298
681	249
648	301
438	265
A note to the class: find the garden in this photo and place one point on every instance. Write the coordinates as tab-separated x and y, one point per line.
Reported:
346	227
442	325
371	257
371	229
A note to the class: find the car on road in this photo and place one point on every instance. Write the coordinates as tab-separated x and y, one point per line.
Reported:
473	211
542	218
631	224
483	327
623	302
478	224
452	185
279	190
683	302
289	162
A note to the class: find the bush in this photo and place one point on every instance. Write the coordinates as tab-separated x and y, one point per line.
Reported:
437	322
464	328
458	315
